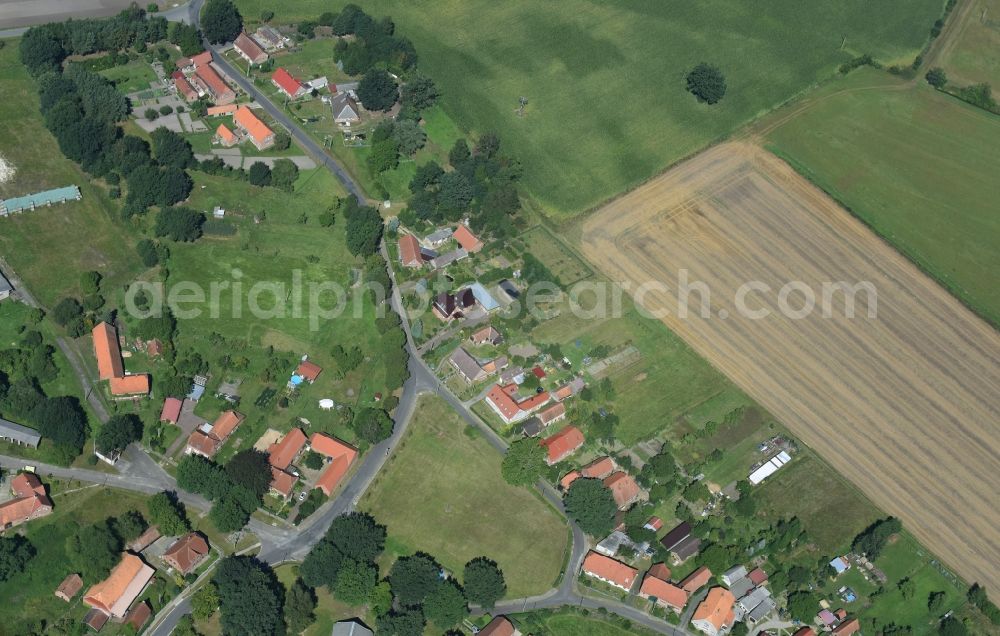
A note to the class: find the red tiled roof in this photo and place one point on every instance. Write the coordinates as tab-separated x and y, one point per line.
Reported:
309	370
623	488
280	455
225	109
847	628
145	539
655	523
216	85
334	472
609	569
562	444
130	385
568	479
225	134
281	481
532	403
27	485
23	509
138	616
187	552
114	594
171	410
409	251
660	571
757	576
599	468
70	587
717	608
183	86
805	631
203	444
552	413
538	372
665	592
109	355
245	119
225	424
246	45
329	446
502	400
499	626
202	58
696	580
467	239
286	82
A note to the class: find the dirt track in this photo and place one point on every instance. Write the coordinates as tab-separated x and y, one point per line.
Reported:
906	405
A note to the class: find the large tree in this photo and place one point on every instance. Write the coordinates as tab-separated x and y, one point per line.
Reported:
221	21
707	83
591	505
355	581
168	514
118	432
524	462
377	90
446	605
322	565
373	425
93	550
250	468
357	535
250	596
364	229
171	149
484	582
413	578
15	553
62	420
300	604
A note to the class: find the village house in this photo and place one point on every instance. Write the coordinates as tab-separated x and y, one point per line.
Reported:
144	540
654	524
446	259
677	534
569	389
623	488
685	549
69	588
568	479
563	444
609	570
189	64
500	626
466	366
209	438
496	365
260	135
282	454
345	109
187	553
733	574
183	86
269	38
553	414
599	468
757	576
437	238
467	239
486	335
352	627
218	111
847	627
696	580
340	455
282	482
249	50
211	83
30	501
113	596
409	251
110	366
225	137
663	591
17	434
448	307
287	84
805	631
308	371
138	615
505	402
715	614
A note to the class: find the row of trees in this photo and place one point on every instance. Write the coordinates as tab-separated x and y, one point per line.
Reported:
375	42
236	489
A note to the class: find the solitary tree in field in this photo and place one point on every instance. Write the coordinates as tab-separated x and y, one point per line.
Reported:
936	77
707	83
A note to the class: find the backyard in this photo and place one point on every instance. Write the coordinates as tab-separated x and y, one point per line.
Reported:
442	493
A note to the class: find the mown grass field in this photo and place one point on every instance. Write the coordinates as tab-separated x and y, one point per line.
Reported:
607	104
966	57
917	166
442	493
135	76
50	247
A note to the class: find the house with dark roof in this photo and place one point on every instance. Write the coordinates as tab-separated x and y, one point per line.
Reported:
486	335
685	549
249	50
449	306
17	434
467	366
70	587
532	427
345	109
679	532
500	626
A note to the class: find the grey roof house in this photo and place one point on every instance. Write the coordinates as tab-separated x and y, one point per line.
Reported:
351	628
345	109
20	435
467	366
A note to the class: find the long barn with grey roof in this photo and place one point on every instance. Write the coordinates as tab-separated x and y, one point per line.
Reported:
21	435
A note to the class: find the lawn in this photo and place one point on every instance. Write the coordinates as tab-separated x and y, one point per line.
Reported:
133	77
607	104
567	622
329	610
965	59
917	166
311	59
442	493
49	247
565	265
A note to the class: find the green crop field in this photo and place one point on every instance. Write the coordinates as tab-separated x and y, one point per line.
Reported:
917	166
965	58
607	104
49	247
442	493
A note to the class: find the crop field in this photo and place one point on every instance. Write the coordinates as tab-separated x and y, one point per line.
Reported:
965	55
917	166
607	103
443	494
903	404
49	247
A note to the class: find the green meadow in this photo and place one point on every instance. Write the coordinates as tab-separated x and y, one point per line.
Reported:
607	103
916	165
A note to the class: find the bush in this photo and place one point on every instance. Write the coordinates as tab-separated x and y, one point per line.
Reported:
166	109
936	77
151	114
707	83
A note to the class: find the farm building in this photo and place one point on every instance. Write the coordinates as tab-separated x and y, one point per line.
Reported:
340	455
225	137
127	580
269	38
17	434
467	239
211	83
466	366
32	201
249	50
505	402
609	570
287	84
715	614
666	594
486	335
30	502
562	444
183	86
769	468
260	135
409	251
187	552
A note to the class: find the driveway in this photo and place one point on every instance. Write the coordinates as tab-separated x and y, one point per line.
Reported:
187	422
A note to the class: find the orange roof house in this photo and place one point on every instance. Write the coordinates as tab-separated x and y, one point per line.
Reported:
208	444
248	49
195	60
660	571
665	593
226	137
261	136
30	501
696	580
283	453
467	239
409	251
341	457
70	587
226	423
130	385
562	444
26	485
847	628
187	552
107	352
623	488
609	570
309	370
715	614
171	410
184	88
568	479
287	84
127	580
505	403
599	468
213	84
654	524
282	482
202	444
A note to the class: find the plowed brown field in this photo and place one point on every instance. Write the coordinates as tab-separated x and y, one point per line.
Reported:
906	405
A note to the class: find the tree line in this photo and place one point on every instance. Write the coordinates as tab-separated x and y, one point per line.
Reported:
236	489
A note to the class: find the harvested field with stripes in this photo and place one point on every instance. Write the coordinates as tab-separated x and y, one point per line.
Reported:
905	404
